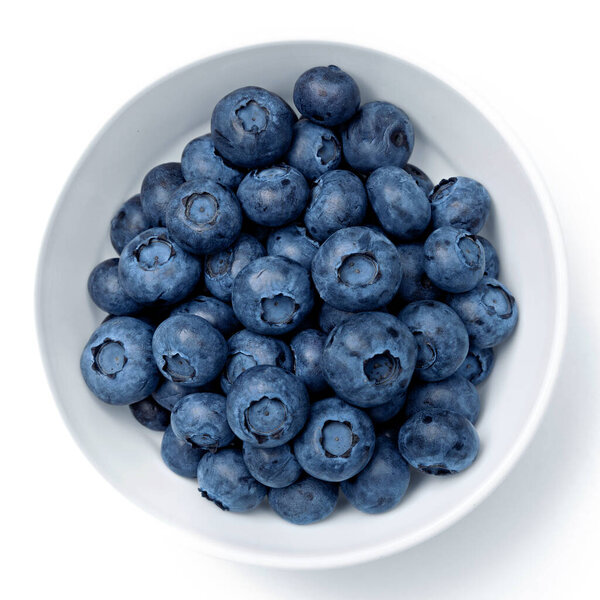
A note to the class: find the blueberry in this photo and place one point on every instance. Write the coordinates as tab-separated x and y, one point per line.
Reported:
337	442
106	291
200	419
154	268
117	362
382	483
338	200
454	259
200	159
399	203
420	178
460	202
150	414
128	222
203	216
272	295
167	394
307	348
180	456
492	262
294	243
252	127
442	340
274	196
216	312
379	135
188	350
478	365
438	442
247	349
385	412
157	187
221	269
273	467
314	150
267	406
326	95
224	479
306	501
357	269
369	359
330	317
415	284
489	312
455	393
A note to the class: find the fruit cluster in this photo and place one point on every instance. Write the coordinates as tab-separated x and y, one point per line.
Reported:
298	308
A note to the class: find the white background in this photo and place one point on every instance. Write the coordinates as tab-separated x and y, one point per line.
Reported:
67	67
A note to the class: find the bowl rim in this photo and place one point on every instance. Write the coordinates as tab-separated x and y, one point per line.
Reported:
382	549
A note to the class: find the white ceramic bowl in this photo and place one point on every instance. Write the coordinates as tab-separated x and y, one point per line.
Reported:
455	135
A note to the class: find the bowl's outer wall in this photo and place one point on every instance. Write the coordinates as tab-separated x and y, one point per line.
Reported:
453	137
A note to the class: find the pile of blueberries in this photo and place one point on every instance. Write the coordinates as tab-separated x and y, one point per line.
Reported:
298	308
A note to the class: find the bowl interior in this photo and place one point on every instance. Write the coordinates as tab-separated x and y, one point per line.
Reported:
453	137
